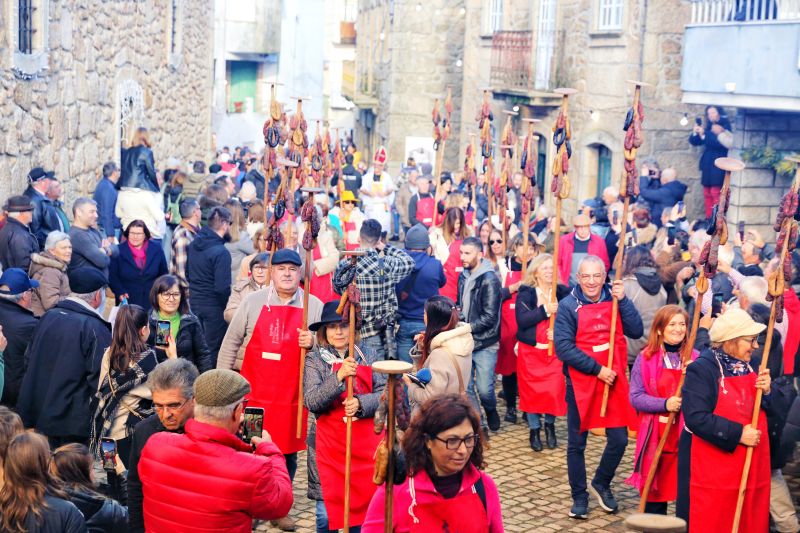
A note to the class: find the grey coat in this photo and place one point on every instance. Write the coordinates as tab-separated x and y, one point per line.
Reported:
320	390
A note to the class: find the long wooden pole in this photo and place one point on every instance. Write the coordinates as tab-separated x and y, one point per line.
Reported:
619	257
303	351
389	495
348	449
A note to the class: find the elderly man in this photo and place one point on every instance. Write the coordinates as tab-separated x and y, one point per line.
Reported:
89	248
18	324
17	242
45	218
662	198
208	479
271	361
581	338
172	385
422	205
64	362
576	245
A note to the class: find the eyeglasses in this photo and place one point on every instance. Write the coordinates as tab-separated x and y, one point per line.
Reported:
348	202
170	407
595	277
454	443
170	295
753	341
135	234
258	268
492	241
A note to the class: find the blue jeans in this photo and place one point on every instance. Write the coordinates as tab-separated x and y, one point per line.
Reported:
535	422
405	337
482	376
322	521
616	441
376	343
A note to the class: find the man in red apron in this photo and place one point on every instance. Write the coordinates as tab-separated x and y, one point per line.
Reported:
581	339
268	323
422	204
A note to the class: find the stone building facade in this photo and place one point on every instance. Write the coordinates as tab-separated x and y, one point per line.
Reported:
94	71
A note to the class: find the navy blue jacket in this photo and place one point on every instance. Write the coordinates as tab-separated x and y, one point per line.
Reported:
566	328
105	194
124	276
663	197
710	175
428	277
208	270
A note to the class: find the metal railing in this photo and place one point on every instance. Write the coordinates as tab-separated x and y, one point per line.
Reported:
512	61
743	11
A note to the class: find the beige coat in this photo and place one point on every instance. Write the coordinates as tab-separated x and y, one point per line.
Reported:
51	273
444	375
239	290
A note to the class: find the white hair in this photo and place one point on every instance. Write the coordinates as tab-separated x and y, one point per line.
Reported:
247	192
754	289
53	238
207	413
588	259
699	239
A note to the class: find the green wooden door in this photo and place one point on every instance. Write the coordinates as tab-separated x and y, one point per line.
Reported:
243	85
603	168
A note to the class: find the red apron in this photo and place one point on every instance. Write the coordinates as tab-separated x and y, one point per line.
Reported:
272	366
540	377
349	227
594	328
506	358
463	513
331	431
425	211
665	484
452	269
792	306
469	216
322	286
715	474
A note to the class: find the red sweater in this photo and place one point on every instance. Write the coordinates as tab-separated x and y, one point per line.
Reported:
566	246
208	480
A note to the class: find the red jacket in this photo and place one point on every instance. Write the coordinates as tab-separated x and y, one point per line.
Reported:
566	246
208	480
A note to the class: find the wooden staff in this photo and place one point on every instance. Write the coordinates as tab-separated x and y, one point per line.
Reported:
562	193
283	164
530	148
728	165
777	284
508	147
392	368
624	190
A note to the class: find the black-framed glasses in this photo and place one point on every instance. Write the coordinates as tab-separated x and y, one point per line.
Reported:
492	241
454	443
171	407
753	341
348	202
170	295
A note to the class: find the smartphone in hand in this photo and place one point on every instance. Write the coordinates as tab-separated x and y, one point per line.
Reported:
162	332
253	423
108	451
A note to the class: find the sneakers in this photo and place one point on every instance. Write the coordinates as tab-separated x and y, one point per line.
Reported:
605	498
493	419
580	510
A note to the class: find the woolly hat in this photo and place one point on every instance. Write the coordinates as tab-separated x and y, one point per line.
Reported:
220	387
417	238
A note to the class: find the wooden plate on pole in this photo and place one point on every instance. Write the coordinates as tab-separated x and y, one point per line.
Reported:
729	164
312	190
639	83
391	366
565	91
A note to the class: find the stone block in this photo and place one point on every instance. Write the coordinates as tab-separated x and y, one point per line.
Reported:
23	96
759	196
753	215
784	140
753	177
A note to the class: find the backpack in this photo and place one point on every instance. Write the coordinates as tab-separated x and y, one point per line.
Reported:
174	207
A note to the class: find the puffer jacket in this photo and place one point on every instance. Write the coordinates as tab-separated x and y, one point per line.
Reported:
190	341
444	374
645	291
103	515
209	480
484	307
137	169
51	273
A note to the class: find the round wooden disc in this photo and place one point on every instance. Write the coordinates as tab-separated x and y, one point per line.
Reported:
565	91
655	522
531	120
507	146
729	164
312	190
510	112
282	161
391	367
639	83
303	98
355	253
792	159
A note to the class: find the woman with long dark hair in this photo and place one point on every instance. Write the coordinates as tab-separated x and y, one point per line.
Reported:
72	464
138	264
32	500
10	427
446	482
715	137
446	243
123	398
642	282
445	347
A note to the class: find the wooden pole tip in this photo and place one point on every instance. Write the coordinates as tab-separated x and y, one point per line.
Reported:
354	253
531	120
639	83
565	91
729	164
510	112
288	163
312	190
391	367
792	158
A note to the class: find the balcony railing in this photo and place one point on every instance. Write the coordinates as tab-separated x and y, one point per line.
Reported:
743	11
512	61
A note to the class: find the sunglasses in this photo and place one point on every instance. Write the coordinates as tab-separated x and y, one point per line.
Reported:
349	202
492	241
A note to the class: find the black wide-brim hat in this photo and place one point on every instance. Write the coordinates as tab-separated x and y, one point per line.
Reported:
329	316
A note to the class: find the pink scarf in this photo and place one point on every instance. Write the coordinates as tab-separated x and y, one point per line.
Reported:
139	254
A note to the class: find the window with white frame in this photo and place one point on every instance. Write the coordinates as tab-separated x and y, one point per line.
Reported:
28	30
609	15
492	16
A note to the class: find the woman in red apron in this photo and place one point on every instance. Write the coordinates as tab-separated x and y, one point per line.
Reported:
446	243
326	258
324	392
506	364
718	399
540	375
445	490
654	381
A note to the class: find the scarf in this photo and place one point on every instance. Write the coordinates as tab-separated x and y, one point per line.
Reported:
112	390
139	254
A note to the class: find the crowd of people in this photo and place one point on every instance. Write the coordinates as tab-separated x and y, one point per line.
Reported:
144	329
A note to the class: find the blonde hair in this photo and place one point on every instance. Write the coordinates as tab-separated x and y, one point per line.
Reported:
533	267
141	137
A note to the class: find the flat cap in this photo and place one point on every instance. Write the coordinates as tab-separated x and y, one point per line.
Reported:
220	387
86	280
286	256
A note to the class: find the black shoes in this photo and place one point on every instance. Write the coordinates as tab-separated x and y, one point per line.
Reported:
511	415
605	498
493	419
535	440
550	435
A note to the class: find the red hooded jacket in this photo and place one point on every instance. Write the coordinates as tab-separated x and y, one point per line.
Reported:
566	245
208	480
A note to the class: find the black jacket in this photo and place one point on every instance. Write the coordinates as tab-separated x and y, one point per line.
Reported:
663	197
711	176
484	308
102	515
60	516
45	215
208	270
137	169
258	180
529	312
190	341
63	369
124	277
18	326
144	430
17	244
